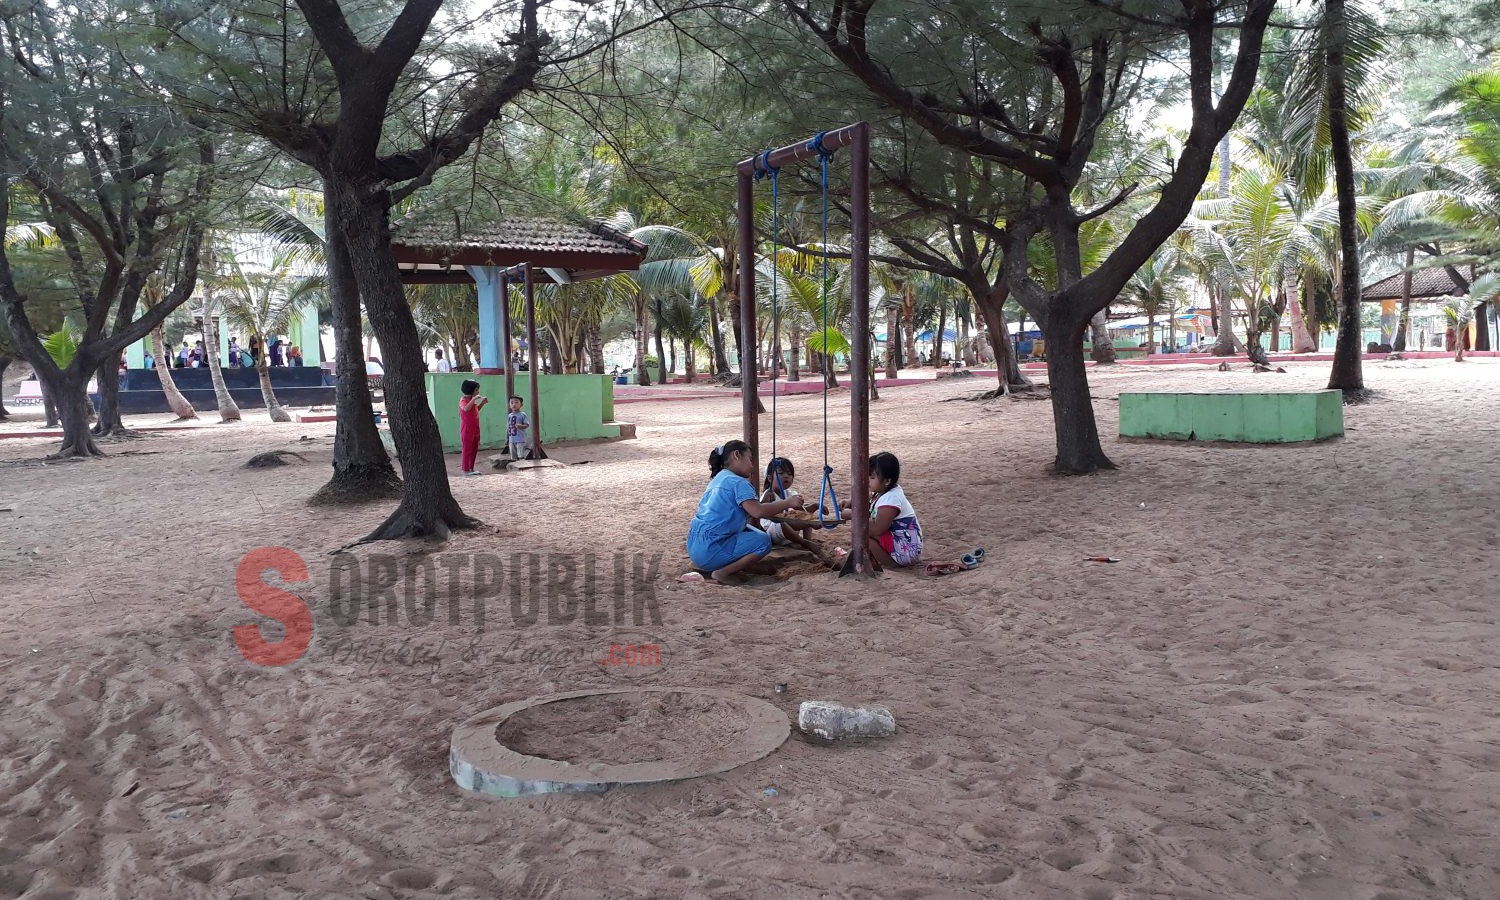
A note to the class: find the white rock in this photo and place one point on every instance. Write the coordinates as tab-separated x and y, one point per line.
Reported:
835	721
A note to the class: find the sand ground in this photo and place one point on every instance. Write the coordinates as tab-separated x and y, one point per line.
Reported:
1286	688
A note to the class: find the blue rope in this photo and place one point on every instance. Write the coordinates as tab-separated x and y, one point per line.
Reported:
823	154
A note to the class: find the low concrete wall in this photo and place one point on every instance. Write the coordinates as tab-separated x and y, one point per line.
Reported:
574	407
1266	418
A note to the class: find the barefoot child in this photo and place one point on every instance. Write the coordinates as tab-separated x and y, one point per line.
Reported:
469	406
780	473
719	541
895	537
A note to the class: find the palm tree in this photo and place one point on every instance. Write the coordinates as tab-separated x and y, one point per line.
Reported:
229	411
262	304
1265	239
1155	289
816	297
668	269
448	315
153	293
685	319
1330	95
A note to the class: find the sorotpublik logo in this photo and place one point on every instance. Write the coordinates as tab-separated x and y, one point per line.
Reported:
535	588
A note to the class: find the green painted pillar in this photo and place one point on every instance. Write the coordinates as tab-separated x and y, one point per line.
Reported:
305	335
135	355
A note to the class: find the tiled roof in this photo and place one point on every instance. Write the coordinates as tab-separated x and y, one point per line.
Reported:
1424	283
514	236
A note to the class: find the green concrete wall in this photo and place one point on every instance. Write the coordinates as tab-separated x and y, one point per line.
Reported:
1269	418
574	407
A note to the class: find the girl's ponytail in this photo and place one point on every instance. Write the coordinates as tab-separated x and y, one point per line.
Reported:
719	455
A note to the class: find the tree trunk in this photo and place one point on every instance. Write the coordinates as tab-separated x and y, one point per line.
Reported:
1403	324
596	349
642	342
108	421
49	406
1302	341
229	411
909	330
720	358
362	470
273	406
178	403
962	350
672	353
1253	348
1103	352
427	508
1078	449
1280	308
937	338
991	300
1347	372
661	356
830	377
794	362
555	363
74	409
690	362
1481	327
5	362
893	342
1151	332
1224	339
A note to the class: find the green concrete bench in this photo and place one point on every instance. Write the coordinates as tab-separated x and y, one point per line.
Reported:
1257	418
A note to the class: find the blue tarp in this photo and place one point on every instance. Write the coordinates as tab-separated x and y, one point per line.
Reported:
948	335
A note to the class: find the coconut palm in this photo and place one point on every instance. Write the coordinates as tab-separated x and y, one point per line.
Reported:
1156	288
229	411
262	303
816	299
153	293
685	319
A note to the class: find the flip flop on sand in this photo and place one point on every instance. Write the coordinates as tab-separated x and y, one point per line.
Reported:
948	567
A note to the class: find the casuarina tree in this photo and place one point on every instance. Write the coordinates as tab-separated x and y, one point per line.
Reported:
1032	87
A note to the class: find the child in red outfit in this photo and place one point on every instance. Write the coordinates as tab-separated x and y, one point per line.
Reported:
469	406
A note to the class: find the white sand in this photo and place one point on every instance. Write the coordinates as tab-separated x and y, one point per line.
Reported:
1286	689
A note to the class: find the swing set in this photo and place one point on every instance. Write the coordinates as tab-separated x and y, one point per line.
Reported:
769	164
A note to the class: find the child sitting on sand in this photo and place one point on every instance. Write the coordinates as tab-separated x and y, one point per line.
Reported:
895	537
780	473
719	540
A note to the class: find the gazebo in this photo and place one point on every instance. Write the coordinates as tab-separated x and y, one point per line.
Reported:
1436	283
516	251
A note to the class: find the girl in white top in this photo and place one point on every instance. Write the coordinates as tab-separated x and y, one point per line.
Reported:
895	537
780	473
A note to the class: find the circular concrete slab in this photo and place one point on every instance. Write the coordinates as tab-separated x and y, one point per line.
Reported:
744	730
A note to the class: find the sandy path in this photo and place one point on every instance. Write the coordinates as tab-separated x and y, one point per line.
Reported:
1286	689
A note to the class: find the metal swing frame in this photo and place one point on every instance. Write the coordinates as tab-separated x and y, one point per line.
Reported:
856	137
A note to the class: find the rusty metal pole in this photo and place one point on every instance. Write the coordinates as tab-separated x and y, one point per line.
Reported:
859	364
745	286
536	405
505	338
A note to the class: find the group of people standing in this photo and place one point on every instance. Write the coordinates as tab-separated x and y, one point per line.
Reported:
195	357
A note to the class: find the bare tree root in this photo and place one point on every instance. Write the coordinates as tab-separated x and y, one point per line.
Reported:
404	523
358	484
271	459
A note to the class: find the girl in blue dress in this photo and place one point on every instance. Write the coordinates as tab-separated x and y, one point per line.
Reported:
719	539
